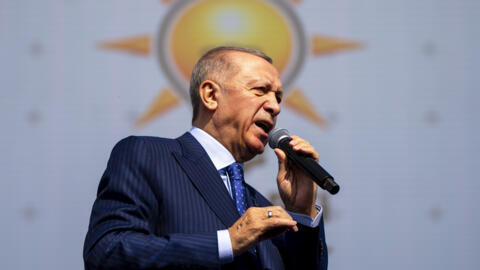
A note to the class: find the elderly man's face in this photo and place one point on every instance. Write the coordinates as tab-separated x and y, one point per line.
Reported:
248	105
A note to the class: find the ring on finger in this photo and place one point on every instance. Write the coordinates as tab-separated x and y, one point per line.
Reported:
269	214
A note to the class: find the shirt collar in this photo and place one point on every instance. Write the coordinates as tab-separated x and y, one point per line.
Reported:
219	155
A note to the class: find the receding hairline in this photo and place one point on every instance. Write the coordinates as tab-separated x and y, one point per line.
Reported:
232	66
218	64
224	53
215	52
233	63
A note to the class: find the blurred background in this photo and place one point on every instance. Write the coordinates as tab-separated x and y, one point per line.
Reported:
387	92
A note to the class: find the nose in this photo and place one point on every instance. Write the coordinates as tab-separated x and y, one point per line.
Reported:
271	105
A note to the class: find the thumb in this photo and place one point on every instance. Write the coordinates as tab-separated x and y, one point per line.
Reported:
282	160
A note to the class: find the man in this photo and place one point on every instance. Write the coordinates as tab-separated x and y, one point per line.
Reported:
182	203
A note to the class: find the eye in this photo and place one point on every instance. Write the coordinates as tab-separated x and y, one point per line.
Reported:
279	98
260	91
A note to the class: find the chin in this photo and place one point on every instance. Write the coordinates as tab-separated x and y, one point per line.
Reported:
257	147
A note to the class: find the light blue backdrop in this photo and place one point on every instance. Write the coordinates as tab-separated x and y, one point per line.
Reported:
403	139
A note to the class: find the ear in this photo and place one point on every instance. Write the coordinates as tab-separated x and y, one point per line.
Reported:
208	92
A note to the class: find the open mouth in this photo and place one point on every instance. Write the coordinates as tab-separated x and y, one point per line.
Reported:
265	126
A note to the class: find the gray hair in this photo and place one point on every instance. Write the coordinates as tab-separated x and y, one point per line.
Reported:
213	64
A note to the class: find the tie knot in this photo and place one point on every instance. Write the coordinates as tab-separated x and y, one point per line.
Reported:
235	171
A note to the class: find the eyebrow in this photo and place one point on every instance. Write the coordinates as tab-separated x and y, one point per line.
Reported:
264	83
254	81
268	84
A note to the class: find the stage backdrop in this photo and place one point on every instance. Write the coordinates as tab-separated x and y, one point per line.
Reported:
387	92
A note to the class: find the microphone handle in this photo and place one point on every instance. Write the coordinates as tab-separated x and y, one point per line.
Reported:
310	167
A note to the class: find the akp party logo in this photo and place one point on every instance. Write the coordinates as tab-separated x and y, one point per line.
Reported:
191	27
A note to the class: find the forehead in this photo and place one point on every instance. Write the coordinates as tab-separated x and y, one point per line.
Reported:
253	67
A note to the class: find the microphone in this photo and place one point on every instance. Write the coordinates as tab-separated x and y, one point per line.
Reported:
279	138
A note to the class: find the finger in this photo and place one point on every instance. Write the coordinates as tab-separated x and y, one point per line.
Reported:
295	138
295	144
275	213
307	150
298	142
280	225
279	222
282	159
303	147
300	145
262	213
278	211
280	154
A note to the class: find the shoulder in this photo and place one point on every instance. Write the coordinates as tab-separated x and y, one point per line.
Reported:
145	143
139	155
141	149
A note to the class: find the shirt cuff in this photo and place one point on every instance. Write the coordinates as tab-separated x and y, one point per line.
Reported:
307	220
225	252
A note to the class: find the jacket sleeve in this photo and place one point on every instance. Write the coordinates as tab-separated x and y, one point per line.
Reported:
121	234
305	249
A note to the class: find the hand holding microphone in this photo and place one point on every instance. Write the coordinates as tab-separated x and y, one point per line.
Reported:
296	188
279	138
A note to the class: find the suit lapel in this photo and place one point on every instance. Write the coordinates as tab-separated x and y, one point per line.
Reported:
203	175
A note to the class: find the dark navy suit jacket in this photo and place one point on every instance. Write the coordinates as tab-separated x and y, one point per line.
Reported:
160	204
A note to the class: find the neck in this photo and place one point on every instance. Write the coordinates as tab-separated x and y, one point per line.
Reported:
213	130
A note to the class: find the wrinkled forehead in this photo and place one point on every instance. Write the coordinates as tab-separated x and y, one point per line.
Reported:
253	68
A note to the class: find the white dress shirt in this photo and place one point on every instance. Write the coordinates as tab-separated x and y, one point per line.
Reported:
221	158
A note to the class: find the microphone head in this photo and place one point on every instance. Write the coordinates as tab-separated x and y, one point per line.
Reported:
276	135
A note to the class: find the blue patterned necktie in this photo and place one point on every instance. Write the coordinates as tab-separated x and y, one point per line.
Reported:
235	172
